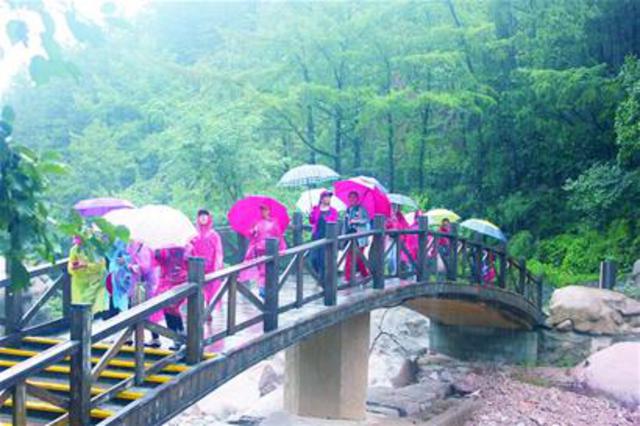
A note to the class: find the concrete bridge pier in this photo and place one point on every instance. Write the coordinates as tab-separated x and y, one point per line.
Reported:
326	376
484	343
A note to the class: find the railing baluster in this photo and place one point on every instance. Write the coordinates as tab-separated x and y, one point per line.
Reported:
376	253
80	376
502	274
66	295
139	339
452	271
353	256
330	279
195	309
300	278
522	278
19	400
271	286
422	272
231	304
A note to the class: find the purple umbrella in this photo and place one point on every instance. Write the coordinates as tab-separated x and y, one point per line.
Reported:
101	206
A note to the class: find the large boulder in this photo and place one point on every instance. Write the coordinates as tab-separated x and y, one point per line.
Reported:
593	310
614	372
635	274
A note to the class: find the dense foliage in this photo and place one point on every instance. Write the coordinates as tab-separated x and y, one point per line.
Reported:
526	112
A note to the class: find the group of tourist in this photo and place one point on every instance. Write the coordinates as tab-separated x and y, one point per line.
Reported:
112	284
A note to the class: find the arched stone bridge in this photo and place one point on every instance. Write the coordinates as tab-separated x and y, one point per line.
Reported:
104	374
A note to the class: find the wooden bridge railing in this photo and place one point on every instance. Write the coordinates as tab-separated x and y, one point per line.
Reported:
440	258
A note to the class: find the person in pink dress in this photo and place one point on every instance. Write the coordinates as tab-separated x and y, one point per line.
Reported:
207	245
266	227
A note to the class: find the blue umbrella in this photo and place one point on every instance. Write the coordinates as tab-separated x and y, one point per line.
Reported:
484	227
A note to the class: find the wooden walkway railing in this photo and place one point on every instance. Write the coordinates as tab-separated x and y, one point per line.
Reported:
463	265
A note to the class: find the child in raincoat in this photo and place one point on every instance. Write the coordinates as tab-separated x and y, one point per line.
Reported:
87	278
267	227
208	245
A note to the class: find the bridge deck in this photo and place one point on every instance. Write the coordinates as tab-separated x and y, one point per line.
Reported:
132	385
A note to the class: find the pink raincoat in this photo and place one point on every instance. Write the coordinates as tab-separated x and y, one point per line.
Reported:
173	272
208	245
143	268
262	230
411	242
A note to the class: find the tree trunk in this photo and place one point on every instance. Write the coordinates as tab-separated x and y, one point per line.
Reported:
391	151
311	134
338	141
424	115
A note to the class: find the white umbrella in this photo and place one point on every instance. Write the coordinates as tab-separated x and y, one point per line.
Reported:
402	200
157	226
311	198
307	174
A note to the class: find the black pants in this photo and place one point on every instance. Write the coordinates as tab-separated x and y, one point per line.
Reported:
317	261
174	322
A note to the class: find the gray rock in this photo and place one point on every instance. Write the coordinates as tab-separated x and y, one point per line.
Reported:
615	372
592	310
409	400
269	380
466	385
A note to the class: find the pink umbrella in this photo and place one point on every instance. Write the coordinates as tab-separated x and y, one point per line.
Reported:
372	195
101	206
245	213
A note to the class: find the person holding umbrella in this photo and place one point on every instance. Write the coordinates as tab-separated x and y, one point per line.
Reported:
357	220
258	218
207	245
398	222
321	214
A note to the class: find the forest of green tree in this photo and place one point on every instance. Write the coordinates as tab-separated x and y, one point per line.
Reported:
524	112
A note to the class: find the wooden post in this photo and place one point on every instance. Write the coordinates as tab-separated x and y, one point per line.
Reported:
522	278
376	253
297	229
19	409
195	309
353	247
66	296
502	274
299	267
422	270
231	304
12	305
452	271
271	286
331	265
139	339
80	376
477	259
607	274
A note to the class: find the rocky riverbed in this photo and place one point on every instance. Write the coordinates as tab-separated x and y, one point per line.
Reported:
410	385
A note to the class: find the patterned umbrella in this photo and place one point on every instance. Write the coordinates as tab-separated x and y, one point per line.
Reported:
484	227
403	200
157	226
100	206
307	174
